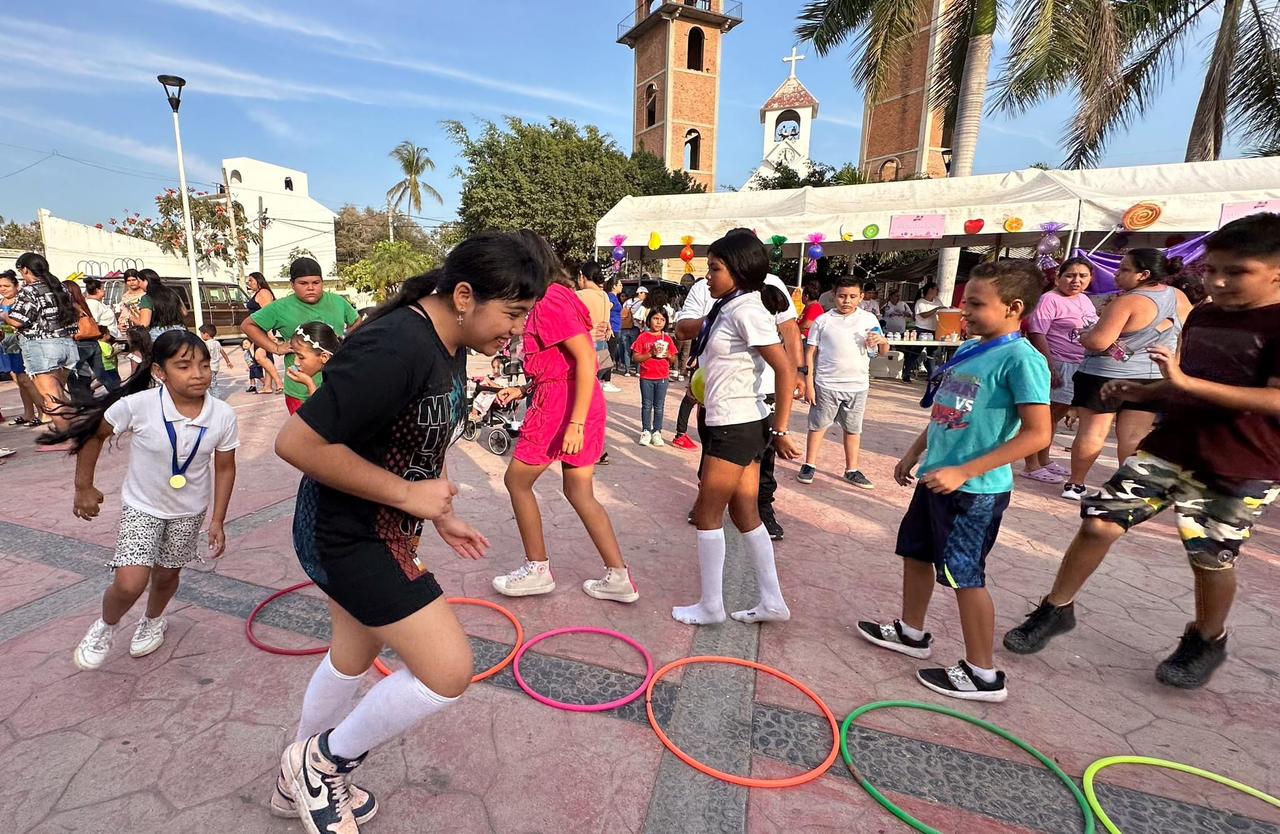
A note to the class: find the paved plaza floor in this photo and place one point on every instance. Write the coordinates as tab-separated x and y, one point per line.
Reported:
188	739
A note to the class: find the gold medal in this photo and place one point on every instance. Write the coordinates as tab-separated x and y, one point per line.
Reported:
178	481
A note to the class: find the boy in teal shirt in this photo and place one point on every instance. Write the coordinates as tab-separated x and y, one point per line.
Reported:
308	303
990	408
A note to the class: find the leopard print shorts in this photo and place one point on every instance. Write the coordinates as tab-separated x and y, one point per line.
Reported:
146	541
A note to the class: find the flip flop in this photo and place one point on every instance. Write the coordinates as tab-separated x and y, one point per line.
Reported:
1058	469
1044	476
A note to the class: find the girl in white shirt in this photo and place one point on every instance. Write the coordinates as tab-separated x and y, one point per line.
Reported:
738	342
183	454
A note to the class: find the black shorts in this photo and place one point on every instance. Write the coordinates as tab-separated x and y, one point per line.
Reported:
741	443
1088	394
256	372
953	532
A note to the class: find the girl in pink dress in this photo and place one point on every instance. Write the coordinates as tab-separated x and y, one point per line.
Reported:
565	422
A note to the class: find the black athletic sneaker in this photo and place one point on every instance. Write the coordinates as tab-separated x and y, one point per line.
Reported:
889	636
775	529
604	460
855	477
1046	621
320	792
806	473
961	682
1192	663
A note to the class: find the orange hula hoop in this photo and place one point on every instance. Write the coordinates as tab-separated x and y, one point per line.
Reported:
734	779
480	603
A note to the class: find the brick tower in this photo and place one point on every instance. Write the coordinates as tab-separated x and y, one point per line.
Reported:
677	79
901	134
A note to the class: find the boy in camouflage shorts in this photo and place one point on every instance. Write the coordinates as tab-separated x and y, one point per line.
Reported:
1215	457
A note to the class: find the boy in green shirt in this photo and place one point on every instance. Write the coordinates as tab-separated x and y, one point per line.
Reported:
308	303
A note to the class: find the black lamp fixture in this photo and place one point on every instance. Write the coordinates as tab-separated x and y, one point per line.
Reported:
173	85
946	159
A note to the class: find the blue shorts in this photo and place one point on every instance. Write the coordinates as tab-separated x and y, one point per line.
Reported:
953	532
44	356
12	363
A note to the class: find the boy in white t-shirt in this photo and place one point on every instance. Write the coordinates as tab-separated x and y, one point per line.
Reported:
840	346
217	353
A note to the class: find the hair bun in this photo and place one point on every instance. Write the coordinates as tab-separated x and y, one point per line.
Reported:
1175	265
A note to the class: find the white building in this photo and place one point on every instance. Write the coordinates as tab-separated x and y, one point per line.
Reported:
74	247
294	218
787	118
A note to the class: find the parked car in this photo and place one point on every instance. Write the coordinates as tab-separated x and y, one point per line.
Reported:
223	302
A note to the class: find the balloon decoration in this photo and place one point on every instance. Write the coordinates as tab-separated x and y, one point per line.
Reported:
778	241
814	251
871	231
686	254
655	241
1013	224
1140	216
619	252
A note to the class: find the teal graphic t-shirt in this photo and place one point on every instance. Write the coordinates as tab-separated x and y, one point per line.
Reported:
976	409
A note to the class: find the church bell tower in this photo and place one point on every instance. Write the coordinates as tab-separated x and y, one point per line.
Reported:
677	79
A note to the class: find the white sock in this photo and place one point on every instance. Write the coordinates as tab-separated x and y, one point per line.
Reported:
911	631
710	608
392	708
985	675
328	699
771	608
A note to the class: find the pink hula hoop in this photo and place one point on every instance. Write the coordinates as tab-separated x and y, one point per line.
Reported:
551	702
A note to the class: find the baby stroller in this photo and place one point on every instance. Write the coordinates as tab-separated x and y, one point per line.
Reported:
495	426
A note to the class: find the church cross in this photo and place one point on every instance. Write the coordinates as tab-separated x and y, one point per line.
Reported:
792	61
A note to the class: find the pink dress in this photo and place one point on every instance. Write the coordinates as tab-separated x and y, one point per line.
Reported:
558	317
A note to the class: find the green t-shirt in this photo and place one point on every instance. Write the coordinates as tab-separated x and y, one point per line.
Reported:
976	409
285	315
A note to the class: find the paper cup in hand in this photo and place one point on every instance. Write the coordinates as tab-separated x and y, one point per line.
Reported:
660	350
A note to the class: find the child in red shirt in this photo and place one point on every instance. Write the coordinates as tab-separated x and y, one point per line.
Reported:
657	353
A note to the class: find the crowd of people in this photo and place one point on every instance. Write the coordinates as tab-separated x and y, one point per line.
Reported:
376	402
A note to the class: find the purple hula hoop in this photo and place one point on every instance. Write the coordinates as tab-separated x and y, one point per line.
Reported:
551	702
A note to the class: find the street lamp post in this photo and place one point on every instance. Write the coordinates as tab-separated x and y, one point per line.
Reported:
173	91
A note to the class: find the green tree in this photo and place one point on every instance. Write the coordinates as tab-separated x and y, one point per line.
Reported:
652	177
820	175
557	179
24	236
210	222
356	231
295	253
414	162
387	266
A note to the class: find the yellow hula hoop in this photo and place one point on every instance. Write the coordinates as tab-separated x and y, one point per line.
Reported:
1147	761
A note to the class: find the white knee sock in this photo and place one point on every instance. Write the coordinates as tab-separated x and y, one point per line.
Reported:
390	710
709	609
771	608
328	699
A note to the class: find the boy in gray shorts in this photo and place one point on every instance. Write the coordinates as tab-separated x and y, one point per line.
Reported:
840	345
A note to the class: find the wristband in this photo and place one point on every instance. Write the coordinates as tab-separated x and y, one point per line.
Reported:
777	433
578	423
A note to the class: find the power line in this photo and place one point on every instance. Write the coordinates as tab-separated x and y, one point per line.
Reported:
44	158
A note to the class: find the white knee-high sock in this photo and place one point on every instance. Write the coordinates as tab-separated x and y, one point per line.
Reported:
328	699
390	710
772	608
710	608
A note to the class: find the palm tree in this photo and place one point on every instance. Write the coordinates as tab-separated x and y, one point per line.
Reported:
414	162
1118	83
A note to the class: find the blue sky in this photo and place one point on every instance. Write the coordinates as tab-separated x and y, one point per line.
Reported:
330	88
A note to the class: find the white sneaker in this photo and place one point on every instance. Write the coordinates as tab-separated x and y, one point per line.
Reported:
645	438
530	579
610	388
616	586
148	636
92	651
656	439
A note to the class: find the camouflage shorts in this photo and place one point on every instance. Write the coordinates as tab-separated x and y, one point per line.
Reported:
1215	515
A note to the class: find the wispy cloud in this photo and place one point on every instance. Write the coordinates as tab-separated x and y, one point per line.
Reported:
843	121
277	126
1037	136
163	158
272	19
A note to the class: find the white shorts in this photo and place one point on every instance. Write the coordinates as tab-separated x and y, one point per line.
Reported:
1062	394
150	542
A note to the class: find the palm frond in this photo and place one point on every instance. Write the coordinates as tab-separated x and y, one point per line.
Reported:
1255	80
1209	125
829	23
1048	41
886	44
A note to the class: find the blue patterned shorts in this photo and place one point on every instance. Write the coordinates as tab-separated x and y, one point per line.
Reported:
953	532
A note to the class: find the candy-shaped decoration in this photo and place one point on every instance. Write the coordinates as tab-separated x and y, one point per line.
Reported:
1140	216
845	236
871	231
619	252
655	241
686	254
814	251
1050	242
1013	224
778	241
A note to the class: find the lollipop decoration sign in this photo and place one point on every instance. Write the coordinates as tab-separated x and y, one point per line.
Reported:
1141	216
814	251
619	252
686	254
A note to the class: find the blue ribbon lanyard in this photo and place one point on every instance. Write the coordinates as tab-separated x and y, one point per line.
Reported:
935	379
178	478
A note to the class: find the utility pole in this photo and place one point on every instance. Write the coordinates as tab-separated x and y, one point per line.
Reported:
235	232
262	237
391	227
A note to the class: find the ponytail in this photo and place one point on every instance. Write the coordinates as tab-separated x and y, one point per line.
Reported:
774	299
85	413
1154	262
39	267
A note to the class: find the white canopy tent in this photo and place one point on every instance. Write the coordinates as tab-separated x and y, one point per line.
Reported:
939	213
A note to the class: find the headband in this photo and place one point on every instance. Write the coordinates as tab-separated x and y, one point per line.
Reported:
312	343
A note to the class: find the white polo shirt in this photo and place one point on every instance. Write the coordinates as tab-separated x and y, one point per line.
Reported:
146	485
736	381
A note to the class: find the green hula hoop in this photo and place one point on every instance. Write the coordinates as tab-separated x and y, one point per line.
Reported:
888	805
1092	771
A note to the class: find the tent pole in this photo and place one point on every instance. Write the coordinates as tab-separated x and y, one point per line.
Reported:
1105	238
800	268
1075	230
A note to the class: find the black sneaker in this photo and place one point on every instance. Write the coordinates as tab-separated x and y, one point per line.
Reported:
319	780
604	460
806	473
959	681
855	477
775	529
690	516
1192	663
889	636
1074	492
1046	621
